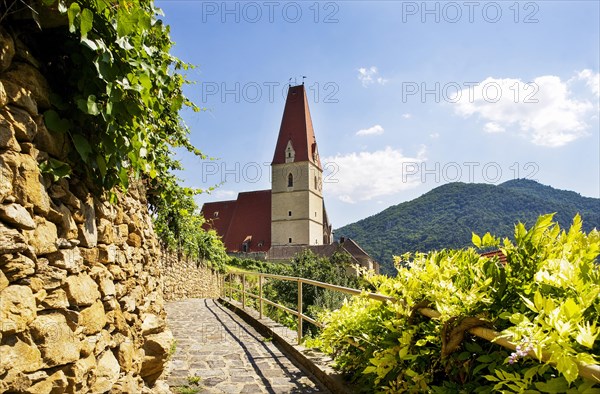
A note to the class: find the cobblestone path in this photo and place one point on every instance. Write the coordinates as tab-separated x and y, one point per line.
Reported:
227	354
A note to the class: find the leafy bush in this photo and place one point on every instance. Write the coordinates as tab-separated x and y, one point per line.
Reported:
546	298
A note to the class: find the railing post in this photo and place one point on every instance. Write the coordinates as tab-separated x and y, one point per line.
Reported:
299	311
260	296
243	291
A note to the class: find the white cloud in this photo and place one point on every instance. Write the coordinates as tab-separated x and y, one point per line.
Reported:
369	76
434	136
362	176
543	110
374	130
591	80
222	194
406	116
492	127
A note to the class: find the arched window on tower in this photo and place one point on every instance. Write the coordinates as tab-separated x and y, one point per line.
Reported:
316	182
290	180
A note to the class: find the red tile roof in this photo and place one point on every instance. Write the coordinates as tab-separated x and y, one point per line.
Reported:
296	125
218	215
496	253
237	221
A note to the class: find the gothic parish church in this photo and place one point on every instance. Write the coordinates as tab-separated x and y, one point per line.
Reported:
276	224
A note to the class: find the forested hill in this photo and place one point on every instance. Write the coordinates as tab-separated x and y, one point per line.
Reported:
446	216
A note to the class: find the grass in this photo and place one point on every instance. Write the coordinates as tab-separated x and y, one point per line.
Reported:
238	270
192	386
172	349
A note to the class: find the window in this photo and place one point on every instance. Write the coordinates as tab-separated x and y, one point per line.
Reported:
245	247
289	240
315	213
289	213
315	181
216	214
290	180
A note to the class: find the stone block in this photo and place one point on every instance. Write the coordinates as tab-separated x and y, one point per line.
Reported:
43	239
134	240
126	355
19	353
8	139
106	232
3	282
17	216
152	324
93	318
67	228
18	122
6	179
67	259
55	339
27	183
105	282
107	254
30	78
51	277
81	290
56	299
88	232
78	372
11	240
156	348
17	96
16	266
106	373
17	309
55	383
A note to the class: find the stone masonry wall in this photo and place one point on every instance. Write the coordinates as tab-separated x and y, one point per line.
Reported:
186	278
81	305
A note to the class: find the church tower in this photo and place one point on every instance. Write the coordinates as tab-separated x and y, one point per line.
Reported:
297	211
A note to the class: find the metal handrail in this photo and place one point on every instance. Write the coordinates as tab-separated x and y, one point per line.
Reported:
590	372
301	316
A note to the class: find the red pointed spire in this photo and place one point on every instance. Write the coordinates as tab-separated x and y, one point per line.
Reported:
296	126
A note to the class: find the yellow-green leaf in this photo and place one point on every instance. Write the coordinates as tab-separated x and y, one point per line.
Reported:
87	20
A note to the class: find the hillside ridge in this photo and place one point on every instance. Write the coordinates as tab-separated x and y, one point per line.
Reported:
446	216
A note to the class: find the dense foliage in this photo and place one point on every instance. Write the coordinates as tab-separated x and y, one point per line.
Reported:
118	92
446	216
545	298
116	97
179	227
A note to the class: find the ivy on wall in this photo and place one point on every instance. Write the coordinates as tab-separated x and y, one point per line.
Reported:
121	94
117	94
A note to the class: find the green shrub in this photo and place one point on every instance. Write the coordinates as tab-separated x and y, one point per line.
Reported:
546	297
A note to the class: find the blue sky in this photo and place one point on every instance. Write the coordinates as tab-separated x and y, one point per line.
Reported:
404	96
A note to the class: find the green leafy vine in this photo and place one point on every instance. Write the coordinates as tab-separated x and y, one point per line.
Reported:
116	98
